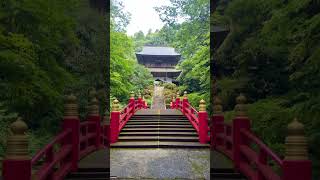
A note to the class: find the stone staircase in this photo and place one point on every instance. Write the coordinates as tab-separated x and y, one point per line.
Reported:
158	131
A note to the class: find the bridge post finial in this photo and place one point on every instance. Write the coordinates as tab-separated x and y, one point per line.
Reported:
178	95
202	105
94	107
17	156
71	107
131	95
241	107
185	95
296	142
296	165
17	144
115	105
217	106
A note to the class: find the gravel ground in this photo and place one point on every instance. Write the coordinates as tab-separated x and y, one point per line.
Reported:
160	163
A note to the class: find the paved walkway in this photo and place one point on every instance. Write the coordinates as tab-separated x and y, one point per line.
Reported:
158	98
160	163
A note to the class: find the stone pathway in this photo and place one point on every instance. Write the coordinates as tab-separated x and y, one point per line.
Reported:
160	163
158	98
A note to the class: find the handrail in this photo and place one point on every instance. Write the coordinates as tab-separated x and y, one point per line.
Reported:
119	118
42	152
198	119
52	158
262	146
235	141
61	156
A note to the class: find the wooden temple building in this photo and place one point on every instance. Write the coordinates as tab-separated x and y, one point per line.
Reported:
161	62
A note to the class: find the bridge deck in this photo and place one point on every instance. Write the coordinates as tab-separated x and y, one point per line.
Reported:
98	160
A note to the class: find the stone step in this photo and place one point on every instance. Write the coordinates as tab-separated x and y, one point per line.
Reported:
177	134
160	138
159	116
158	144
156	123
157	120
158	126
167	129
161	119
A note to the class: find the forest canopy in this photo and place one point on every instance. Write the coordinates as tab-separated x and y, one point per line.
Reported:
271	54
48	49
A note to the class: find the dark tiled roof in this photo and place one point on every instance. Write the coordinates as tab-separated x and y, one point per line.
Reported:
153	50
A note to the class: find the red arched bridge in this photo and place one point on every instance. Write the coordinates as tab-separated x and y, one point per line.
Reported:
80	139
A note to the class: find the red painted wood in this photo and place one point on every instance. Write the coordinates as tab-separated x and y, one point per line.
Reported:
177	103
238	140
252	138
185	104
114	126
16	169
297	170
97	129
203	127
217	127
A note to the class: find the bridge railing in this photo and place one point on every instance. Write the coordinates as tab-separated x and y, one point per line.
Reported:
198	119
75	141
119	118
250	155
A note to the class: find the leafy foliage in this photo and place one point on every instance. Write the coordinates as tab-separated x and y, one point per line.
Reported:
125	73
273	49
49	49
192	39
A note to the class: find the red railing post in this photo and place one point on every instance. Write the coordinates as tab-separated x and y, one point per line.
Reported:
106	130
217	120
240	122
177	101
17	163
296	165
94	116
71	121
114	122
132	103
173	102
139	101
185	102
203	123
